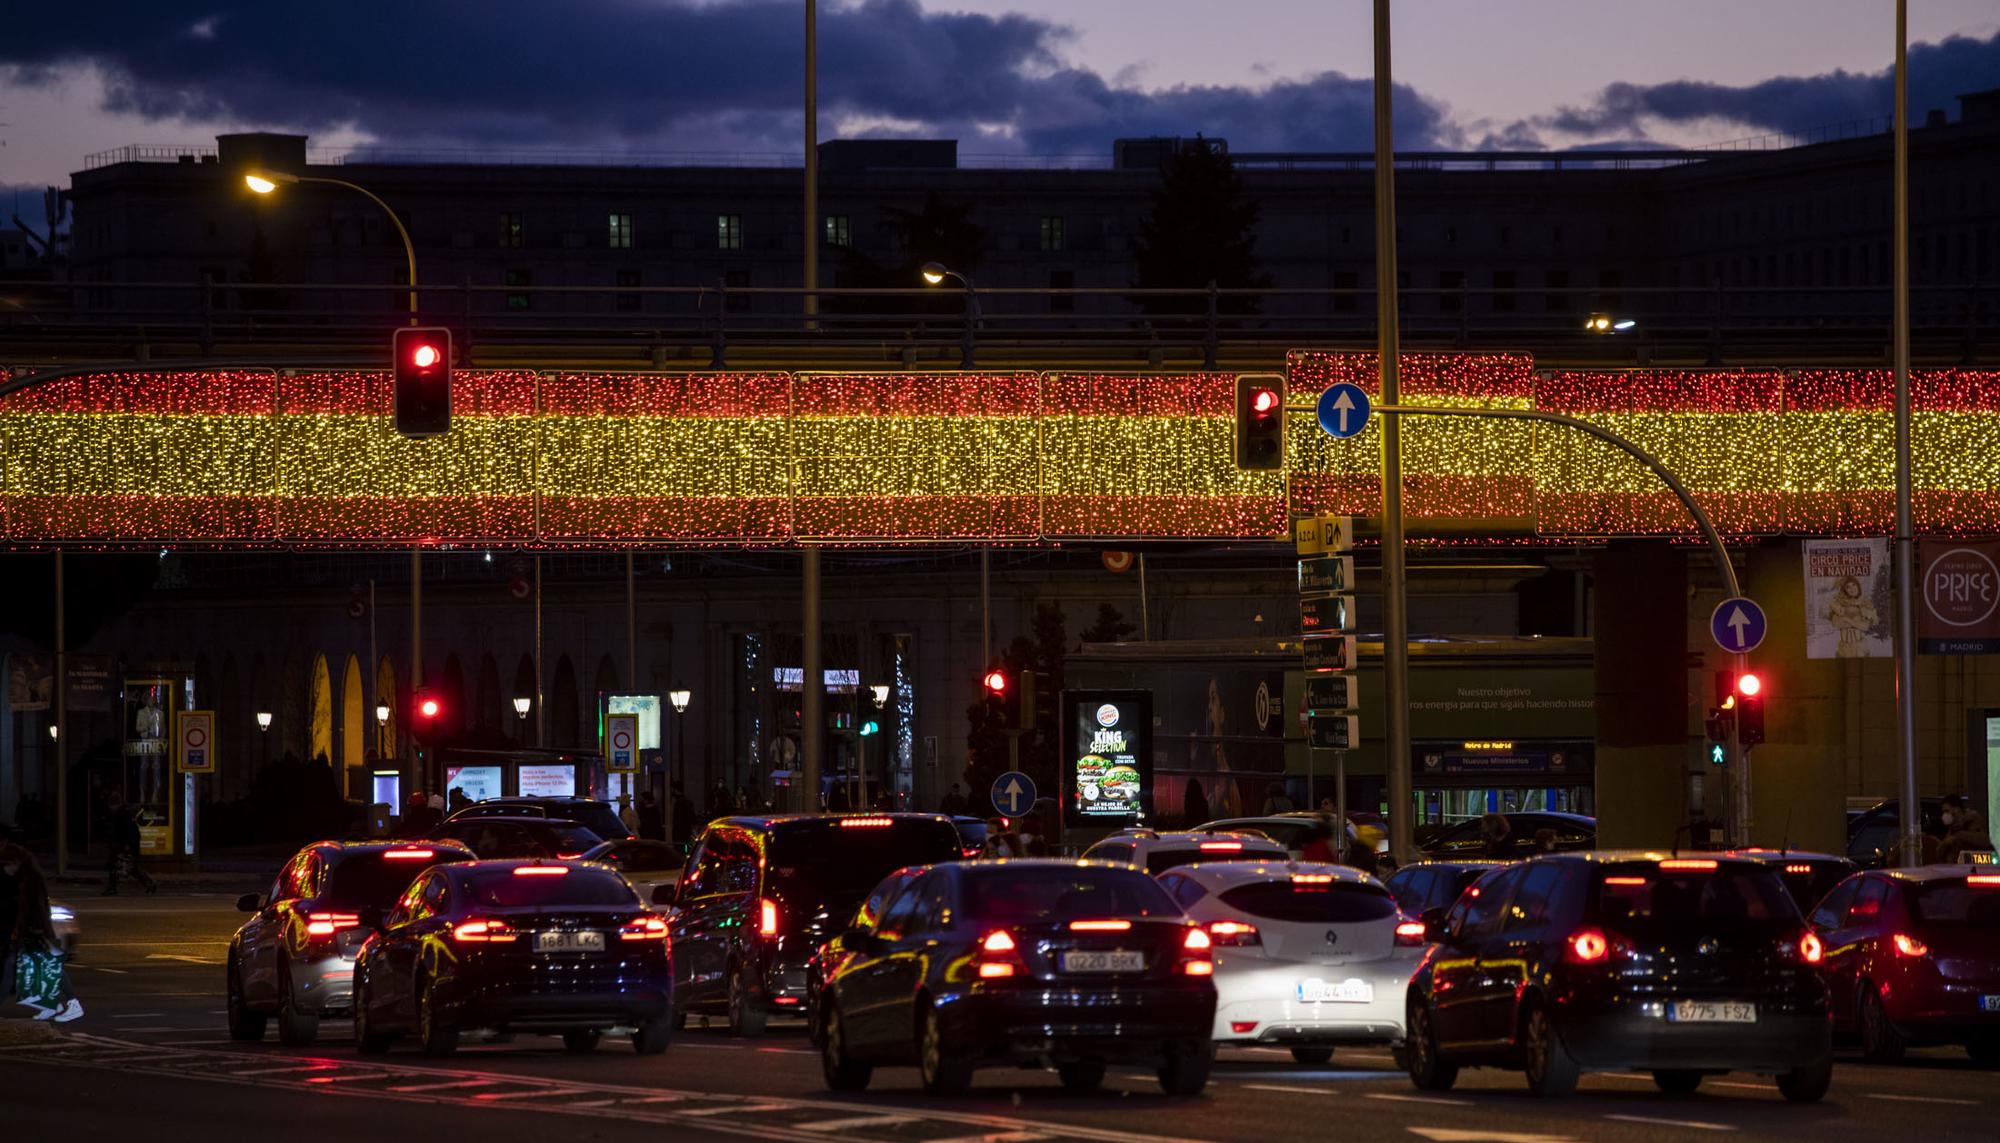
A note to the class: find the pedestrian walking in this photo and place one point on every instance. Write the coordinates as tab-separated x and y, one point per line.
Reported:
628	816
1495	831
28	939
683	819
954	802
125	847
420	819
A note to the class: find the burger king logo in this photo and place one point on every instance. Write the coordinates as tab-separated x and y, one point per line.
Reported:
1107	716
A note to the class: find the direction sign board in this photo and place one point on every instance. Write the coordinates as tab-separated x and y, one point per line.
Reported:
1335	732
1326	575
194	741
1013	794
1737	625
1343	410
1324	614
1318	535
1329	653
1329	693
621	743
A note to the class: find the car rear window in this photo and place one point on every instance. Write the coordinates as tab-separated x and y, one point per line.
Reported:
1647	896
359	880
1957	903
1161	860
597	817
563	840
818	863
1025	895
1338	903
509	890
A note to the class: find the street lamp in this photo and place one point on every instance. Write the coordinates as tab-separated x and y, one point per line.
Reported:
880	693
680	696
521	707
1605	323
381	714
934	274
53	732
264	182
263	720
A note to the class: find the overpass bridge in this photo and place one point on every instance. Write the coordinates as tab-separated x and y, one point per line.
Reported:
551	459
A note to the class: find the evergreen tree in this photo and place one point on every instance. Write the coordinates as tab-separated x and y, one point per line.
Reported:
1111	626
1202	228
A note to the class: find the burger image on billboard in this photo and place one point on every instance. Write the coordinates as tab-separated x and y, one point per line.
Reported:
1120	783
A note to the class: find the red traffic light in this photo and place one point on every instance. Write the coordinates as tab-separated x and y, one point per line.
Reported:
996	682
1748	684
425	355
1263	400
428	708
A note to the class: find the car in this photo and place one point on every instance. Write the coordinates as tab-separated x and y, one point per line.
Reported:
63	918
546	947
1572	832
1623	961
1422	886
1808	876
294	958
1023	962
971	834
761	893
600	818
1291	830
1874	834
1157	852
649	866
498	838
1913	957
1307	956
834	952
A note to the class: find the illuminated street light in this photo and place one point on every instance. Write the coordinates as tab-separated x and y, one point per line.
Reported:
880	693
264	182
934	274
521	706
263	720
381	714
53	732
680	697
1605	323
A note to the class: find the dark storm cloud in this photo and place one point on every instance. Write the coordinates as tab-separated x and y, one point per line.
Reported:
1938	74
646	72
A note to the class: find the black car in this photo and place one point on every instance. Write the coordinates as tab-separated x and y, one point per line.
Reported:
514	946
600	818
1807	876
971	834
501	839
1874	834
1422	886
1572	832
1021	962
1681	966
759	895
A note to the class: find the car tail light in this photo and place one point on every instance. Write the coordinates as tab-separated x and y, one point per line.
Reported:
970	851
1197	956
1907	945
644	929
1983	880
866	823
1242	1027
1099	926
767	918
1410	934
482	931
1222	847
1690	864
1798	867
1810	948
327	924
1588	946
409	854
1307	882
568	856
1233	934
541	870
1624	880
997	958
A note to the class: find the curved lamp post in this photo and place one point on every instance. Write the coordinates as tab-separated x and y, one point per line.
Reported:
264	182
934	274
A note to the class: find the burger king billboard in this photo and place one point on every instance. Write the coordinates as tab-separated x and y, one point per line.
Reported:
1958	597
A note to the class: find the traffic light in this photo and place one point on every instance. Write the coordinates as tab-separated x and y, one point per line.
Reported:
428	713
870	728
1011	698
422	356
1749	709
1718	724
1260	423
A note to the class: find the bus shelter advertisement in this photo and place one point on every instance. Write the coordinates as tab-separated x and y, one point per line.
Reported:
1108	759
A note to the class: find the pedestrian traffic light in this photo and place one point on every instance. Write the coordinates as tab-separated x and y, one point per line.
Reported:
1719	723
1260	423
870	728
422	357
1749	709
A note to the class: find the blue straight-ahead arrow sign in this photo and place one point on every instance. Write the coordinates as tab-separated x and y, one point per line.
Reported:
1343	410
1013	794
1737	625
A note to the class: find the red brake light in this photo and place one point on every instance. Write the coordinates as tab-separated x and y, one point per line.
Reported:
1907	945
1986	880
483	932
409	854
1810	948
1312	879
541	870
1099	926
424	355
1197	940
1690	864
648	928
1221	847
1233	934
327	924
1624	880
866	823
1410	934
1588	946
1798	867
997	942
996	959
767	918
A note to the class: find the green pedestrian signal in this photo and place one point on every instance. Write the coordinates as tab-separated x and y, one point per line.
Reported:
1718	755
870	727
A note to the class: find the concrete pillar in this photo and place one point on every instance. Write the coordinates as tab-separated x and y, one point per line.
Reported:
1798	775
1639	624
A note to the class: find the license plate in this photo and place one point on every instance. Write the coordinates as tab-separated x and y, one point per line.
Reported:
1712	1012
1115	961
1336	992
586	941
1989	1004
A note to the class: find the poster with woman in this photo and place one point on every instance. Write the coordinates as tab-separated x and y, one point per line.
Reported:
1848	605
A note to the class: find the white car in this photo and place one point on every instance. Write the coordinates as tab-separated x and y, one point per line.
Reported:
1307	956
1156	852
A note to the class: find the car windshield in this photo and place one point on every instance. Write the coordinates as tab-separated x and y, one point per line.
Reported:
1161	860
1645	896
1957	903
1025	895
597	817
1338	903
359	880
510	890
823	864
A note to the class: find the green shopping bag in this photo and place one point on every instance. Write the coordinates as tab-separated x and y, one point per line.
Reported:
38	977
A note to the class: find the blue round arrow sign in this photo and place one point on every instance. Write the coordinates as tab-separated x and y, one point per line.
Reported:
1013	794
1737	625
1343	410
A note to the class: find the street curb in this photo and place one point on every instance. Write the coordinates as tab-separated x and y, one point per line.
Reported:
16	1031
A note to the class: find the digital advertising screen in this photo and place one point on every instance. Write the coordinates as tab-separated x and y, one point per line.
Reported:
478	782
546	781
1107	758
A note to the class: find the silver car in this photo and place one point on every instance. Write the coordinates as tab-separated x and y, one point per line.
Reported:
294	957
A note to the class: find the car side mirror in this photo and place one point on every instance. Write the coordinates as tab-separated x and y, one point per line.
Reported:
249	903
371	918
665	894
1435	930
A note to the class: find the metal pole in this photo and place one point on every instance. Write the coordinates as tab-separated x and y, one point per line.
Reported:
62	731
812	164
985	609
1145	621
541	710
810	683
1339	798
1396	620
373	688
409	249
416	662
1906	659
631	627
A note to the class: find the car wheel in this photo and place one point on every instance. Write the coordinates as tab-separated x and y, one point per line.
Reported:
1313	1056
244	1024
1186	1069
1551	1070
1083	1075
437	1039
1428	1068
297	1028
745	1018
1808	1083
841	1073
1984	1051
1677	1081
367	1040
582	1043
944	1071
652	1037
1880	1041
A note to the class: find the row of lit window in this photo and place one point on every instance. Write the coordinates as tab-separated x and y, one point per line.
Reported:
839	231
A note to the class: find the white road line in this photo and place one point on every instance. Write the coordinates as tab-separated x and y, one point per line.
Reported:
857	1121
653	1099
1690	1124
739	1108
416	1087
282	1071
1920	1099
1397	1097
1283	1087
357	1076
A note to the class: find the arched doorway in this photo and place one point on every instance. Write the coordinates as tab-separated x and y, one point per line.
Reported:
354	716
320	718
562	705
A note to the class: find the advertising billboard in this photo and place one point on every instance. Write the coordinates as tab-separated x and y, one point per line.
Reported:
478	782
547	781
1107	779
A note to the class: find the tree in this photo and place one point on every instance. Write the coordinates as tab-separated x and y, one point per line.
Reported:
1042	652
1111	626
1201	229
